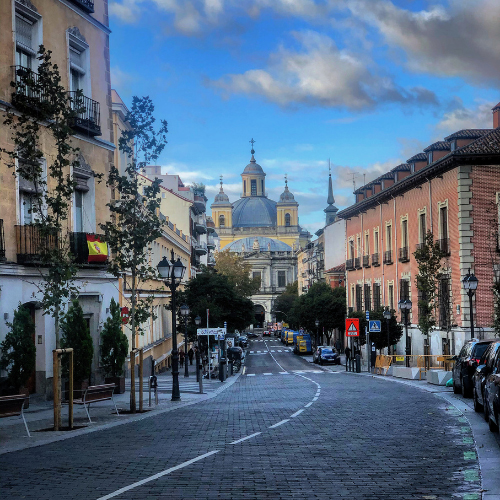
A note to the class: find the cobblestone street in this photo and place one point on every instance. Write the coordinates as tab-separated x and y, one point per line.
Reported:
315	434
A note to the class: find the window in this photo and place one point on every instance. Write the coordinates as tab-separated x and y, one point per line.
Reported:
359	298
443	222
79	62
444	302
429	158
222	222
352	298
375	241
27	205
351	249
404	233
262	186
388	240
358	241
404	289
253	187
25	53
256	274
287	220
281	279
376	296
391	296
244	188
368	298
367	244
79	211
422	228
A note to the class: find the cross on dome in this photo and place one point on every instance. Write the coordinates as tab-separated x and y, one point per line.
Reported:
252	150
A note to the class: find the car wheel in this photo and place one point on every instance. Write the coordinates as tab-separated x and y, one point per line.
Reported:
477	406
456	390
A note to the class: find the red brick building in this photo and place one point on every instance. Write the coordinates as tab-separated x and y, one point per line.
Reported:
452	189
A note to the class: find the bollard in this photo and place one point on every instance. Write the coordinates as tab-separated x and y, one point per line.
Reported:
358	363
231	367
200	379
222	367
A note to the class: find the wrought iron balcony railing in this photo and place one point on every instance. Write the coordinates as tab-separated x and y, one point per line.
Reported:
86	5
80	249
419	246
32	246
404	254
357	262
366	261
27	90
88	114
375	259
349	265
444	246
388	257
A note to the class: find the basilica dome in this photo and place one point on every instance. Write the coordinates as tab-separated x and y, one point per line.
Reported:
254	211
253	168
264	244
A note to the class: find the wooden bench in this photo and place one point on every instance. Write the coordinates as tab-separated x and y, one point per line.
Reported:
382	362
12	406
94	394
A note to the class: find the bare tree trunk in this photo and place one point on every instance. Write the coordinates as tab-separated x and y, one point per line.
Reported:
132	354
57	387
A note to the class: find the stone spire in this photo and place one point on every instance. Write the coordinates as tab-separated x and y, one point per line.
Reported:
331	210
221	197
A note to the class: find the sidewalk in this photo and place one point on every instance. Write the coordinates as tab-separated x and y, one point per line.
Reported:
40	414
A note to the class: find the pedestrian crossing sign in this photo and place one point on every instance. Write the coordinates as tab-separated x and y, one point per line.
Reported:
375	326
352	327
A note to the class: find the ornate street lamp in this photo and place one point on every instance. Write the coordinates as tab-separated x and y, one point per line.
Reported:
405	305
470	283
172	273
317	334
185	314
387	316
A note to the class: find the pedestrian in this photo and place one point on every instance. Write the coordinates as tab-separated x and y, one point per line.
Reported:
190	356
181	356
347	351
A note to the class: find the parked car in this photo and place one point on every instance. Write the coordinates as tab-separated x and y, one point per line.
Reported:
484	369
492	395
465	365
252	335
235	353
243	341
277	333
266	333
324	355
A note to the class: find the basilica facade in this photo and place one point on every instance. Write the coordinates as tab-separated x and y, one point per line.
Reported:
264	232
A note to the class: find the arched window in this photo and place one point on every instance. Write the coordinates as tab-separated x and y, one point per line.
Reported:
244	188
287	219
222	221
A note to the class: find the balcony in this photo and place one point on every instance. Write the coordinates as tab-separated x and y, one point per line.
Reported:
211	244
86	5
444	246
32	246
88	114
200	248
200	225
349	265
357	262
80	249
210	260
404	254
388	257
375	259
419	246
2	241
28	94
366	261
200	202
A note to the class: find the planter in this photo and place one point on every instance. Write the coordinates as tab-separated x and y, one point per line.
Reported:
119	383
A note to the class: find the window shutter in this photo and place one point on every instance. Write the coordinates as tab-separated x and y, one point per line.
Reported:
24	33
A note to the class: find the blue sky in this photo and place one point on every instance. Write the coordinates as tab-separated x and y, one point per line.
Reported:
364	83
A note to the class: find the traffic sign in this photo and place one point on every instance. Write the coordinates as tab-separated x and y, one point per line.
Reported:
218	333
375	326
352	327
367	315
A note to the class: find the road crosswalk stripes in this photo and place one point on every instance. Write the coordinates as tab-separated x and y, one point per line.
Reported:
289	373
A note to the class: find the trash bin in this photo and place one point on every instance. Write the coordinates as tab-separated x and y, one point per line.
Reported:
358	363
222	369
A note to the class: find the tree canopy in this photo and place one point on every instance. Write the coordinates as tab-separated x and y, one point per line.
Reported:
380	339
237	271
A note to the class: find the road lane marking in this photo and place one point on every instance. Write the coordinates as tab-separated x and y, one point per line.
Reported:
315	398
244	370
245	438
308	405
279	423
250	374
284	373
267	373
157	476
297	413
251	352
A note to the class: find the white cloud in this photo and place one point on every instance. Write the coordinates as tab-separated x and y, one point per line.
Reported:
120	80
460	117
460	41
127	11
321	74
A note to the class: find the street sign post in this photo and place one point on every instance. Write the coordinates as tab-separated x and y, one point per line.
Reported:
352	327
367	315
218	333
375	326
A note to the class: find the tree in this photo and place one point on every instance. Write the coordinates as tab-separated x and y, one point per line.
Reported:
284	303
428	257
380	339
237	271
214	291
76	334
135	221
18	349
114	343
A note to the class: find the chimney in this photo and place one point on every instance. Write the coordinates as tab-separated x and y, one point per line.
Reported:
496	116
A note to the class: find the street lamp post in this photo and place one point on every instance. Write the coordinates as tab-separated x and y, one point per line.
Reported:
197	321
405	305
172	273
317	334
470	283
185	314
387	316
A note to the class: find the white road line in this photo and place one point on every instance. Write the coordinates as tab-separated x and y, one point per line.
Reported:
251	352
267	373
308	405
279	423
284	373
244	370
279	350
157	476
272	351
245	438
297	413
315	398
250	374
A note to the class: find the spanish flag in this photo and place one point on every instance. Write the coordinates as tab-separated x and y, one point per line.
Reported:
98	250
